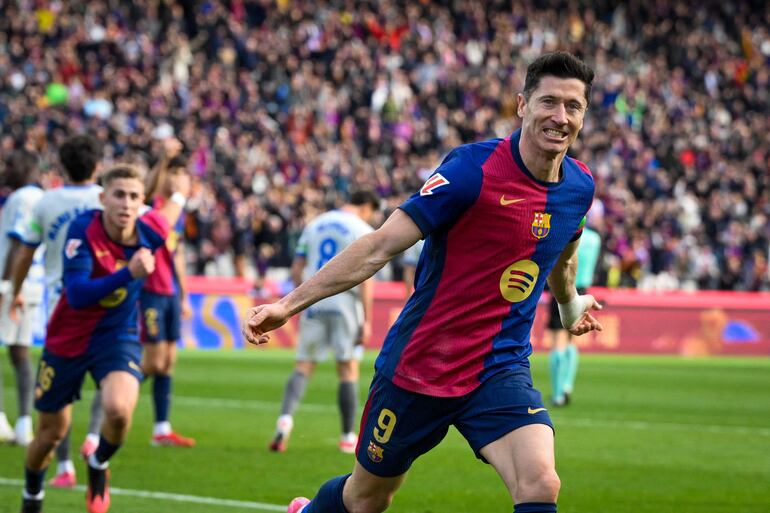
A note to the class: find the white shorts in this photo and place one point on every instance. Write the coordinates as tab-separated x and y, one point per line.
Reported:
320	331
16	334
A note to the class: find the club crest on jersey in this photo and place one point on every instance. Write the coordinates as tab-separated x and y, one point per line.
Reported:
433	183
71	248
541	225
375	452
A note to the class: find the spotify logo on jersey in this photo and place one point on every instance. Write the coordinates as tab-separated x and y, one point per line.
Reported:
518	280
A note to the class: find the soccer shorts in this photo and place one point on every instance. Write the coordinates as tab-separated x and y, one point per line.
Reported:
19	333
320	331
60	378
161	317
398	426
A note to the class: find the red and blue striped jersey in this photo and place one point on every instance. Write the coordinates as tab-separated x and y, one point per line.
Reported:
78	326
493	232
163	280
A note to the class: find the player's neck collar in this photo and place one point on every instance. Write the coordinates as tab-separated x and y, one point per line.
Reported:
515	138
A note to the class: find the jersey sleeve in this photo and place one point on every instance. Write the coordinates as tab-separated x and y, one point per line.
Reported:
449	191
82	290
22	217
32	232
154	228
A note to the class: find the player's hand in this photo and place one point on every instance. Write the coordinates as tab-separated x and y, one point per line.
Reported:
262	319
364	334
172	147
587	322
187	311
17	305
142	263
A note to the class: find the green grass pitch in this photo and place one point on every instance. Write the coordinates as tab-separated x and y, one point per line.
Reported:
644	434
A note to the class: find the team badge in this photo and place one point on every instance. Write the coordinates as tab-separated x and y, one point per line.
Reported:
433	183
375	452
71	249
541	225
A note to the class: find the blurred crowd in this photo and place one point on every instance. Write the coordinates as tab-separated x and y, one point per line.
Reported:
285	106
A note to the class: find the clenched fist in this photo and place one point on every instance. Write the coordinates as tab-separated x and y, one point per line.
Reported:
142	263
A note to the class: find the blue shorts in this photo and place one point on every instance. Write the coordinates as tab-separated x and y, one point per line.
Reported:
160	317
398	426
60	378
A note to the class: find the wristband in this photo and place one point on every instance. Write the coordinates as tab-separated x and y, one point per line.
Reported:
571	312
6	287
178	198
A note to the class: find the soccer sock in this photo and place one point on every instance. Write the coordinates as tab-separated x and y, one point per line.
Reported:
161	396
24	386
329	497
571	356
33	481
347	397
103	453
535	507
556	364
63	449
97	414
295	389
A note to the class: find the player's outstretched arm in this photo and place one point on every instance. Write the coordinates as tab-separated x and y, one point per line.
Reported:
180	191
574	309
358	262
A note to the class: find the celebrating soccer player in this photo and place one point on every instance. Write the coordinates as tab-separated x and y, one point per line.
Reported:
163	303
499	218
94	326
79	156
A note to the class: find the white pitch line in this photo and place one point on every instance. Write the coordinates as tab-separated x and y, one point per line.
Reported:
560	418
174	497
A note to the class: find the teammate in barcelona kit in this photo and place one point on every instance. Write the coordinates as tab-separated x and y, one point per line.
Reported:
163	303
342	322
94	327
80	156
499	218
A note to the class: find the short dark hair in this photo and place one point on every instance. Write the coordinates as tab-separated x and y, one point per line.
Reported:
365	197
122	171
177	162
560	65
79	155
20	169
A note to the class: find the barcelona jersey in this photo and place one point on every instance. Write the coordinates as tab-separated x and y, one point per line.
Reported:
163	280
493	232
113	319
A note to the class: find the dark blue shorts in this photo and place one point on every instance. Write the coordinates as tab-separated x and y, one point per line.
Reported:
398	426
160	317
60	378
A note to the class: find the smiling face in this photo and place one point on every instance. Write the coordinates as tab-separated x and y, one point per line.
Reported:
553	114
122	198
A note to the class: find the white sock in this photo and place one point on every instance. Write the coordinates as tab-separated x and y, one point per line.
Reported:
285	424
65	466
37	497
4	419
162	428
93	463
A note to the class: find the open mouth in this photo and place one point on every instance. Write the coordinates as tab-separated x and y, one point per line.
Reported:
555	134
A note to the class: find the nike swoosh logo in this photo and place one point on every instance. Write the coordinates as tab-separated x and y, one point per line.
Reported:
532	411
505	202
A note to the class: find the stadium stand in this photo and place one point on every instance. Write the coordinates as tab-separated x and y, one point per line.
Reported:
286	105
